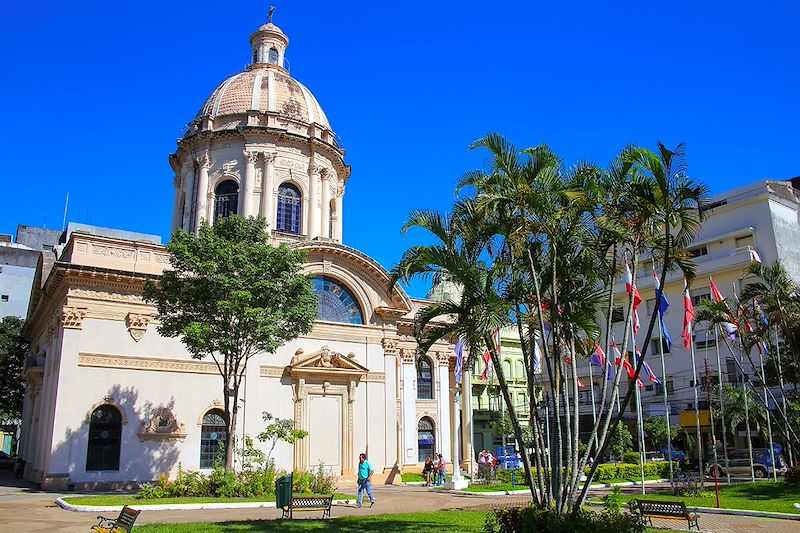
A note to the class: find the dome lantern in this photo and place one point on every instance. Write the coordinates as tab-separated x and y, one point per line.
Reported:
269	44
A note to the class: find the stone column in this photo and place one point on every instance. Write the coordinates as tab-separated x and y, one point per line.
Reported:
267	185
177	214
203	164
188	192
326	203
248	183
468	459
339	215
313	203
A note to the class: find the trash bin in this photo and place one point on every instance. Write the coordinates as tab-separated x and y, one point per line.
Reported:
283	491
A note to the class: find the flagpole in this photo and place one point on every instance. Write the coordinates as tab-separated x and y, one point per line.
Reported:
769	423
722	414
639	424
663	377
666	404
783	392
696	407
744	393
707	383
594	413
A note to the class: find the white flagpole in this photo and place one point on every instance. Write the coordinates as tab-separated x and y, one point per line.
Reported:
722	411
744	393
696	408
769	423
594	413
635	385
783	391
664	380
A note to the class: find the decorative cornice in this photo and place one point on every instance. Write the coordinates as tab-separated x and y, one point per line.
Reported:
146	363
267	371
375	377
408	355
389	346
72	317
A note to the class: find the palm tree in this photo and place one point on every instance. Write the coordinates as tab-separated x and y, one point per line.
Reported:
461	256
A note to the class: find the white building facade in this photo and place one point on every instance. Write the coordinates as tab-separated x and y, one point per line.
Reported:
110	402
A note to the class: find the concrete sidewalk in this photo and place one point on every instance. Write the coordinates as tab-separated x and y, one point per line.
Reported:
31	511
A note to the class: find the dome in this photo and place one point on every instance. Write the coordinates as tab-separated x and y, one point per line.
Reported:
263	89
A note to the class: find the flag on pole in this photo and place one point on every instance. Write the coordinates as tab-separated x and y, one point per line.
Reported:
580	383
754	255
663	305
459	368
730	329
537	356
487	356
621	360
688	316
637	300
763	346
646	367
598	357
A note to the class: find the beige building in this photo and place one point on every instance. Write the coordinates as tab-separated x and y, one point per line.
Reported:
110	402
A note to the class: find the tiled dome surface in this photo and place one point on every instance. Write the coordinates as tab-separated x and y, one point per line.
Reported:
251	90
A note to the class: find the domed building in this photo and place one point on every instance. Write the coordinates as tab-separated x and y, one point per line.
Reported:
111	403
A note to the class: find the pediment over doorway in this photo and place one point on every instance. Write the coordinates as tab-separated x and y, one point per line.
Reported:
326	363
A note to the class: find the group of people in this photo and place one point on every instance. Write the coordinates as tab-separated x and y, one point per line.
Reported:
487	465
435	470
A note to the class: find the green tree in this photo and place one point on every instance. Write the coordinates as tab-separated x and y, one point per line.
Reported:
655	428
279	429
231	295
620	440
13	348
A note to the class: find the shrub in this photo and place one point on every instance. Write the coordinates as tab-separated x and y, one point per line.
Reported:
793	475
504	476
223	483
321	481
519	520
631	458
301	481
148	491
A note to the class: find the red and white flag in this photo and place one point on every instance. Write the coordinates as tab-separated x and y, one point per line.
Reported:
688	316
621	360
637	300
487	356
730	329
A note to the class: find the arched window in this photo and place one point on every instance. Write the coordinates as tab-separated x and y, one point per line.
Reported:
520	369
424	379
289	202
332	219
507	371
105	435
335	302
426	438
273	56
212	434
226	199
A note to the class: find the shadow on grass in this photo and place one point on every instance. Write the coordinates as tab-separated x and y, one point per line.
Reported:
765	490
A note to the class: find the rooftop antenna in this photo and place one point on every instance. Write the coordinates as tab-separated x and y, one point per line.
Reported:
66	204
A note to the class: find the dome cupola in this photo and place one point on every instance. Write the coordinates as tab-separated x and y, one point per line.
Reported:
269	45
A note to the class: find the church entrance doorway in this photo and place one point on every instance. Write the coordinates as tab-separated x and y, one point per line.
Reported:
325	433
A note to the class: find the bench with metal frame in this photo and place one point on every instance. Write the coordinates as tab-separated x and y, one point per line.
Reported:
309	503
121	524
649	509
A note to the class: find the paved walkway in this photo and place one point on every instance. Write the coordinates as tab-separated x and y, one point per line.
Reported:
24	510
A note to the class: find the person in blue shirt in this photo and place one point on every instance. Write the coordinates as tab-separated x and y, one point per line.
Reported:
365	472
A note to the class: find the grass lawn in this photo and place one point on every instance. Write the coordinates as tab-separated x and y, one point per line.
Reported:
495	488
628	480
130	499
462	521
410	477
759	496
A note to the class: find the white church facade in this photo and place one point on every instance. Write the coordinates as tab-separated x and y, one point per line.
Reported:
110	402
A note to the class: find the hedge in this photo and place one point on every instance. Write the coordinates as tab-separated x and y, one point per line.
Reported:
605	472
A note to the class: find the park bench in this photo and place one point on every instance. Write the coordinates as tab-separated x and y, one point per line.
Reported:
309	503
121	524
649	509
289	503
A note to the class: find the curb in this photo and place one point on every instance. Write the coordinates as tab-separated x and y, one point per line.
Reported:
175	506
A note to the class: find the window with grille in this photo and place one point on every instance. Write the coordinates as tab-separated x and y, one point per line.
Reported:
226	199
426	439
424	379
212	438
289	208
105	435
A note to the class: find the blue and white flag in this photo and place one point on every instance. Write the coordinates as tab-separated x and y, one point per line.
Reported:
459	368
663	305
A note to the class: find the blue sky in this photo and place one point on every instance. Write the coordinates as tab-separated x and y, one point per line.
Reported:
95	94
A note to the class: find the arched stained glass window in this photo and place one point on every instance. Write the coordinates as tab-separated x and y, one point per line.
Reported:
212	434
424	379
335	302
426	438
105	435
226	199
289	202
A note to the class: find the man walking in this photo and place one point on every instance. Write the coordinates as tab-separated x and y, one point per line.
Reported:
365	479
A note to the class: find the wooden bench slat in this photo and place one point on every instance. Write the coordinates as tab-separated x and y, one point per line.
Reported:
648	509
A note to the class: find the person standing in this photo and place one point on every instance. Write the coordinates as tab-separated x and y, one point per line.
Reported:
441	471
427	470
365	472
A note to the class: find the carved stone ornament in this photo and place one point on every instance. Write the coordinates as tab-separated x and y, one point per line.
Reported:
389	346
250	157
72	317
204	161
162	425
314	168
443	358
137	325
408	355
269	157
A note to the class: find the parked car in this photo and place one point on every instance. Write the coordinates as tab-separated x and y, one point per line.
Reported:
739	464
654	457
